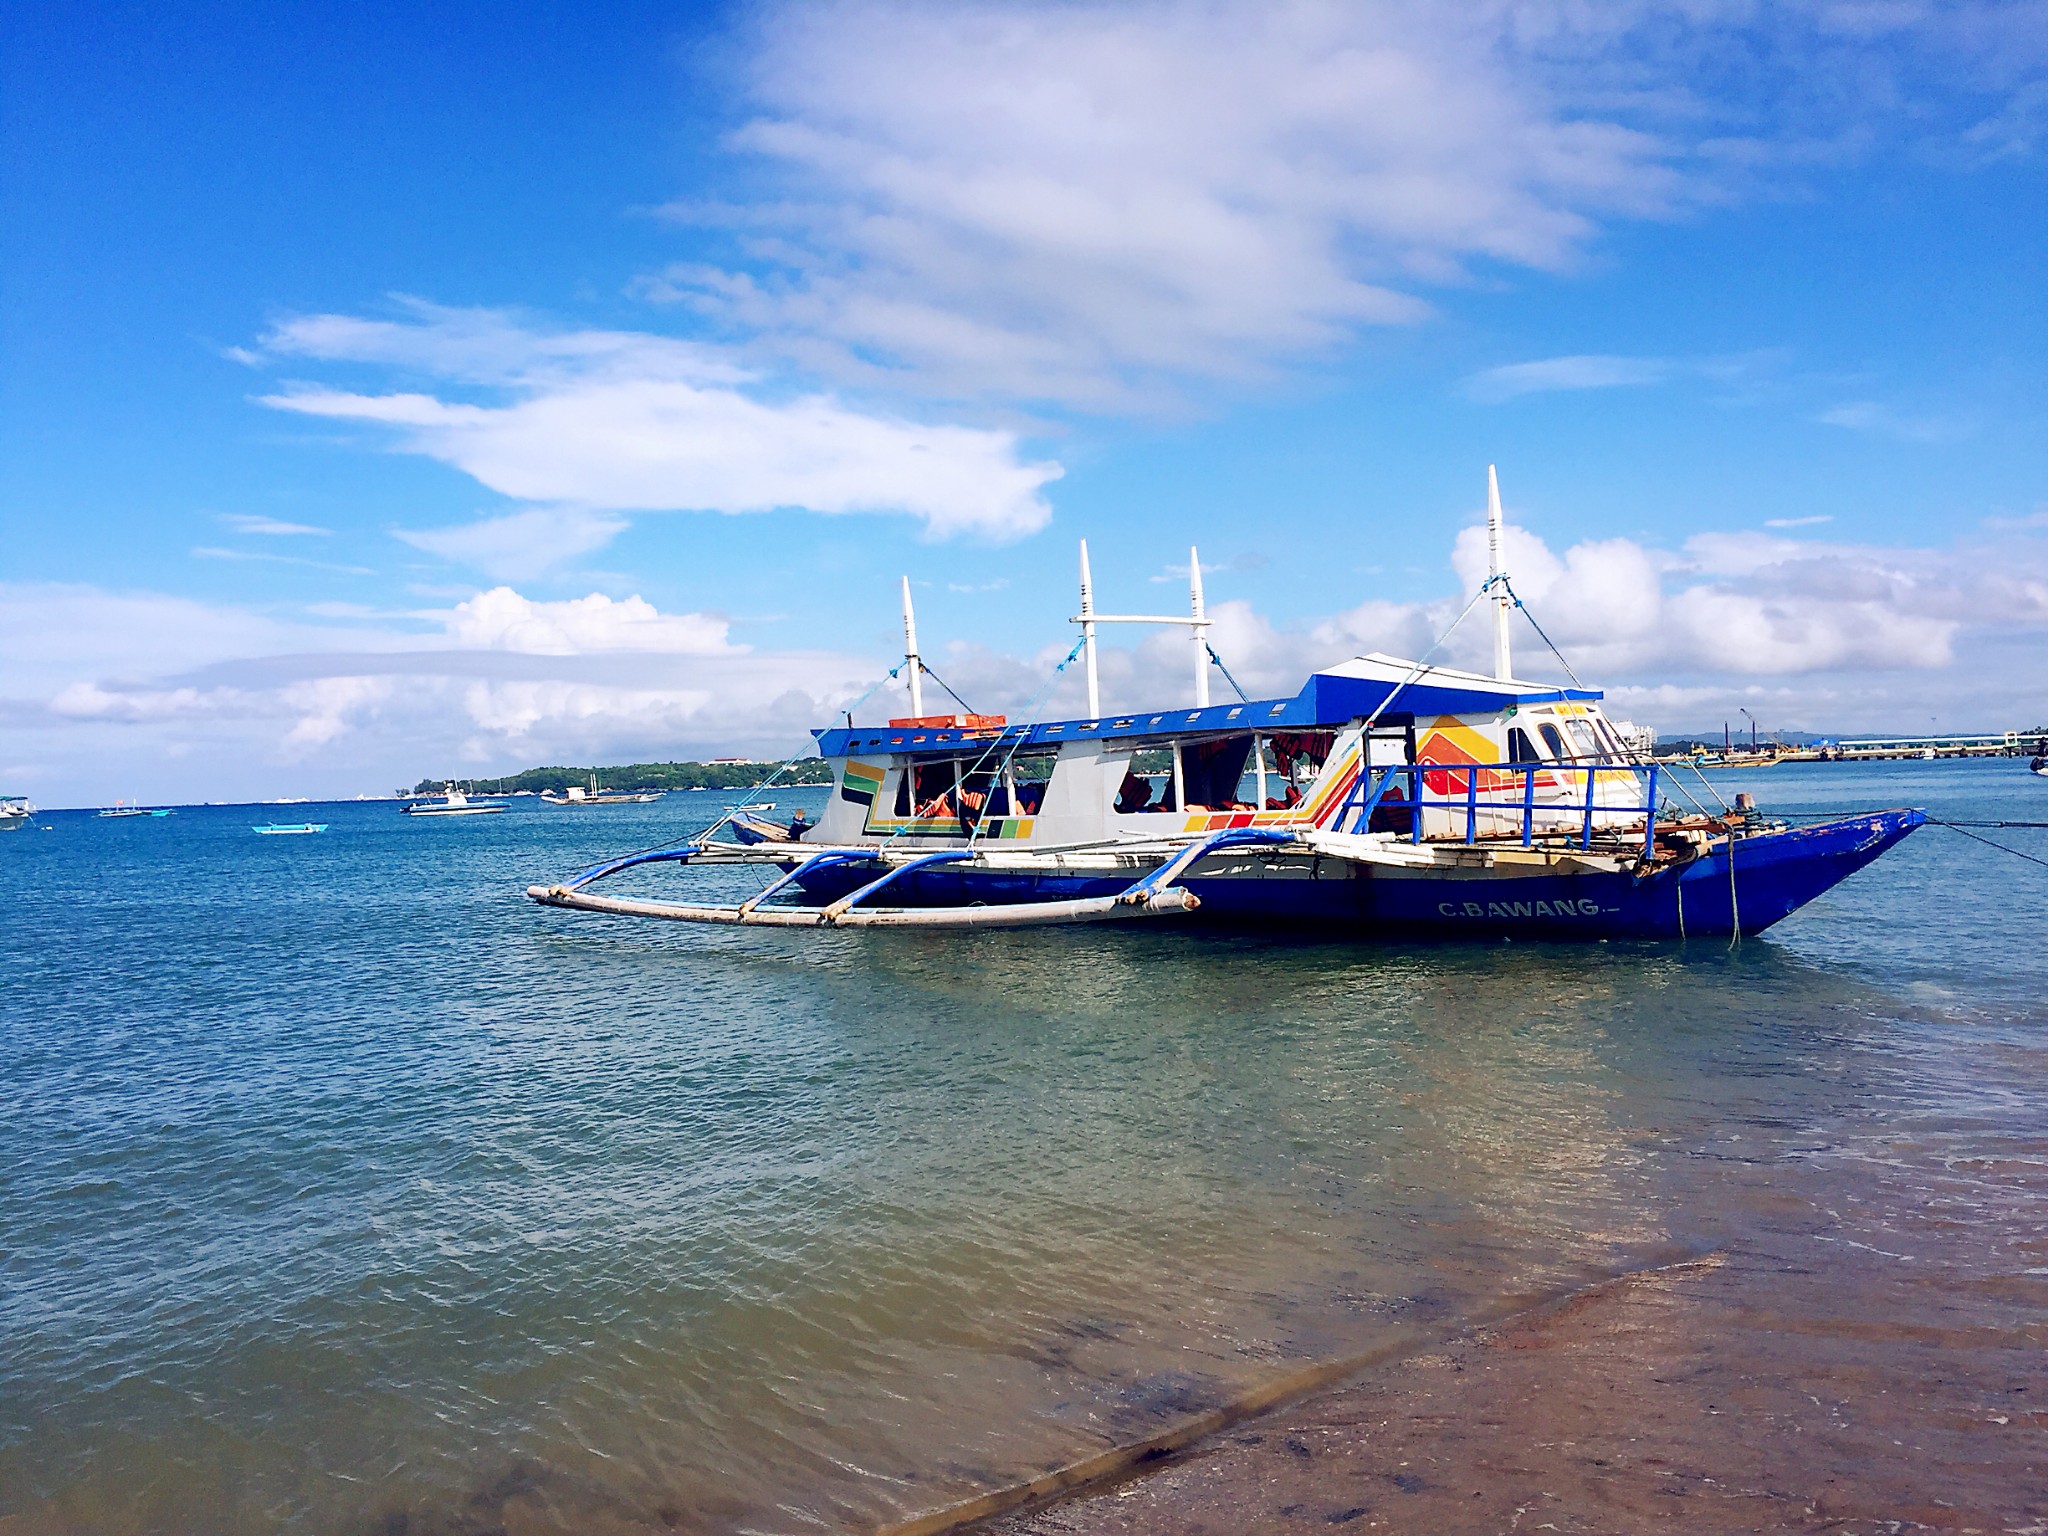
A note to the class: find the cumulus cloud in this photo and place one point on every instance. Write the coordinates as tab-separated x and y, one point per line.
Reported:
502	620
1097	204
1825	634
609	422
232	700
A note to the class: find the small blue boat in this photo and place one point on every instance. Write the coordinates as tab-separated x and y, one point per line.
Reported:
1386	797
291	828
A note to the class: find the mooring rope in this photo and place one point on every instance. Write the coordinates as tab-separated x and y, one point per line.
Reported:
1959	826
928	672
1020	736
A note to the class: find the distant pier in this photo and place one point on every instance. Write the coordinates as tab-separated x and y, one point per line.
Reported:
2030	743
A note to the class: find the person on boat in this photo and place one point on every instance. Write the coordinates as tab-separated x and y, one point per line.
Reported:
1029	798
1134	795
799	824
971	803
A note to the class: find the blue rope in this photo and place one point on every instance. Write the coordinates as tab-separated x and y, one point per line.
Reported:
1242	696
1020	735
768	782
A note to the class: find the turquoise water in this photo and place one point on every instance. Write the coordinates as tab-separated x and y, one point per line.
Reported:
341	1189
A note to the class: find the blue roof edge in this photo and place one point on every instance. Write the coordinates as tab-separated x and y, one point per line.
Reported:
1326	701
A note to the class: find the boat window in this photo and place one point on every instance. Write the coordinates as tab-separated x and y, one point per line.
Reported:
1031	775
1586	740
1213	771
932	785
1300	754
1554	739
1520	748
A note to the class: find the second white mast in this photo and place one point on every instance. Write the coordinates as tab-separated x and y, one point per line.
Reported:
1197	621
1503	604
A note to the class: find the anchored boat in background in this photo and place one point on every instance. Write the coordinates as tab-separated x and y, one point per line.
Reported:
1385	797
576	797
454	802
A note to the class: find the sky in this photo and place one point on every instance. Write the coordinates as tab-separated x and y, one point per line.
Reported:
389	393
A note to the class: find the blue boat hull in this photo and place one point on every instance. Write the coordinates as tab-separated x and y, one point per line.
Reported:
1776	873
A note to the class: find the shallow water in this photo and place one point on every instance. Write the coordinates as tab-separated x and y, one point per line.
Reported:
341	1189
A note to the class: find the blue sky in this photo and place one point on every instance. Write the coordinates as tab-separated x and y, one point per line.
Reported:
382	397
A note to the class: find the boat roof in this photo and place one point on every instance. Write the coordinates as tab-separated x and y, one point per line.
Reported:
1328	699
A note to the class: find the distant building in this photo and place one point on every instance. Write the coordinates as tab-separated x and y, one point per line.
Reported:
1640	739
732	762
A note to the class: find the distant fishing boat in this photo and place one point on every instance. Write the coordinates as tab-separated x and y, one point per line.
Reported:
455	803
291	828
15	812
1387	796
122	808
576	797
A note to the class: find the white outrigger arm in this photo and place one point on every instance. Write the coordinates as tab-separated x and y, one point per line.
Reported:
1154	894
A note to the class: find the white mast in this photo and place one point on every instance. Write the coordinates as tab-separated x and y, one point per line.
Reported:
1200	628
910	657
1087	622
1503	605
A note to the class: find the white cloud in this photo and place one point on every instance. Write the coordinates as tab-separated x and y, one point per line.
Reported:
265	557
270	527
1564	373
520	545
1799	522
1065	201
1871	416
1099	204
124	693
134	693
610	422
502	620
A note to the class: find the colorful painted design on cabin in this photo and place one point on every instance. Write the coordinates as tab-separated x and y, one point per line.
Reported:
861	782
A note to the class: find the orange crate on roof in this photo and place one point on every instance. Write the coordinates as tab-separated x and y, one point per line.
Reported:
951	722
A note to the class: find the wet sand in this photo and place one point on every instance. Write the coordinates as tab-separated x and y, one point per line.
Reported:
1855	1366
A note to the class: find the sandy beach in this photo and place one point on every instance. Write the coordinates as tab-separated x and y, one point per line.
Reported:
1863	1366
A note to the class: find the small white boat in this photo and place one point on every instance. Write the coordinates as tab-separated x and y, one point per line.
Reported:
455	803
291	828
15	812
2040	766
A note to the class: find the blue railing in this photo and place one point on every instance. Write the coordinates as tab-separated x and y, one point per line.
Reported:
1371	793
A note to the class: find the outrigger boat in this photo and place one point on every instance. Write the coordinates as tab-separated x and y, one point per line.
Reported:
1386	797
576	797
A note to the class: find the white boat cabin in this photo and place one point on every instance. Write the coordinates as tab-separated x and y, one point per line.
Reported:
1485	759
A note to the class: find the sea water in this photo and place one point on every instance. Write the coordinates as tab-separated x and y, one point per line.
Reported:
342	1189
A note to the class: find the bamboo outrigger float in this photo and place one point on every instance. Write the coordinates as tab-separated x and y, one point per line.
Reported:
1387	796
